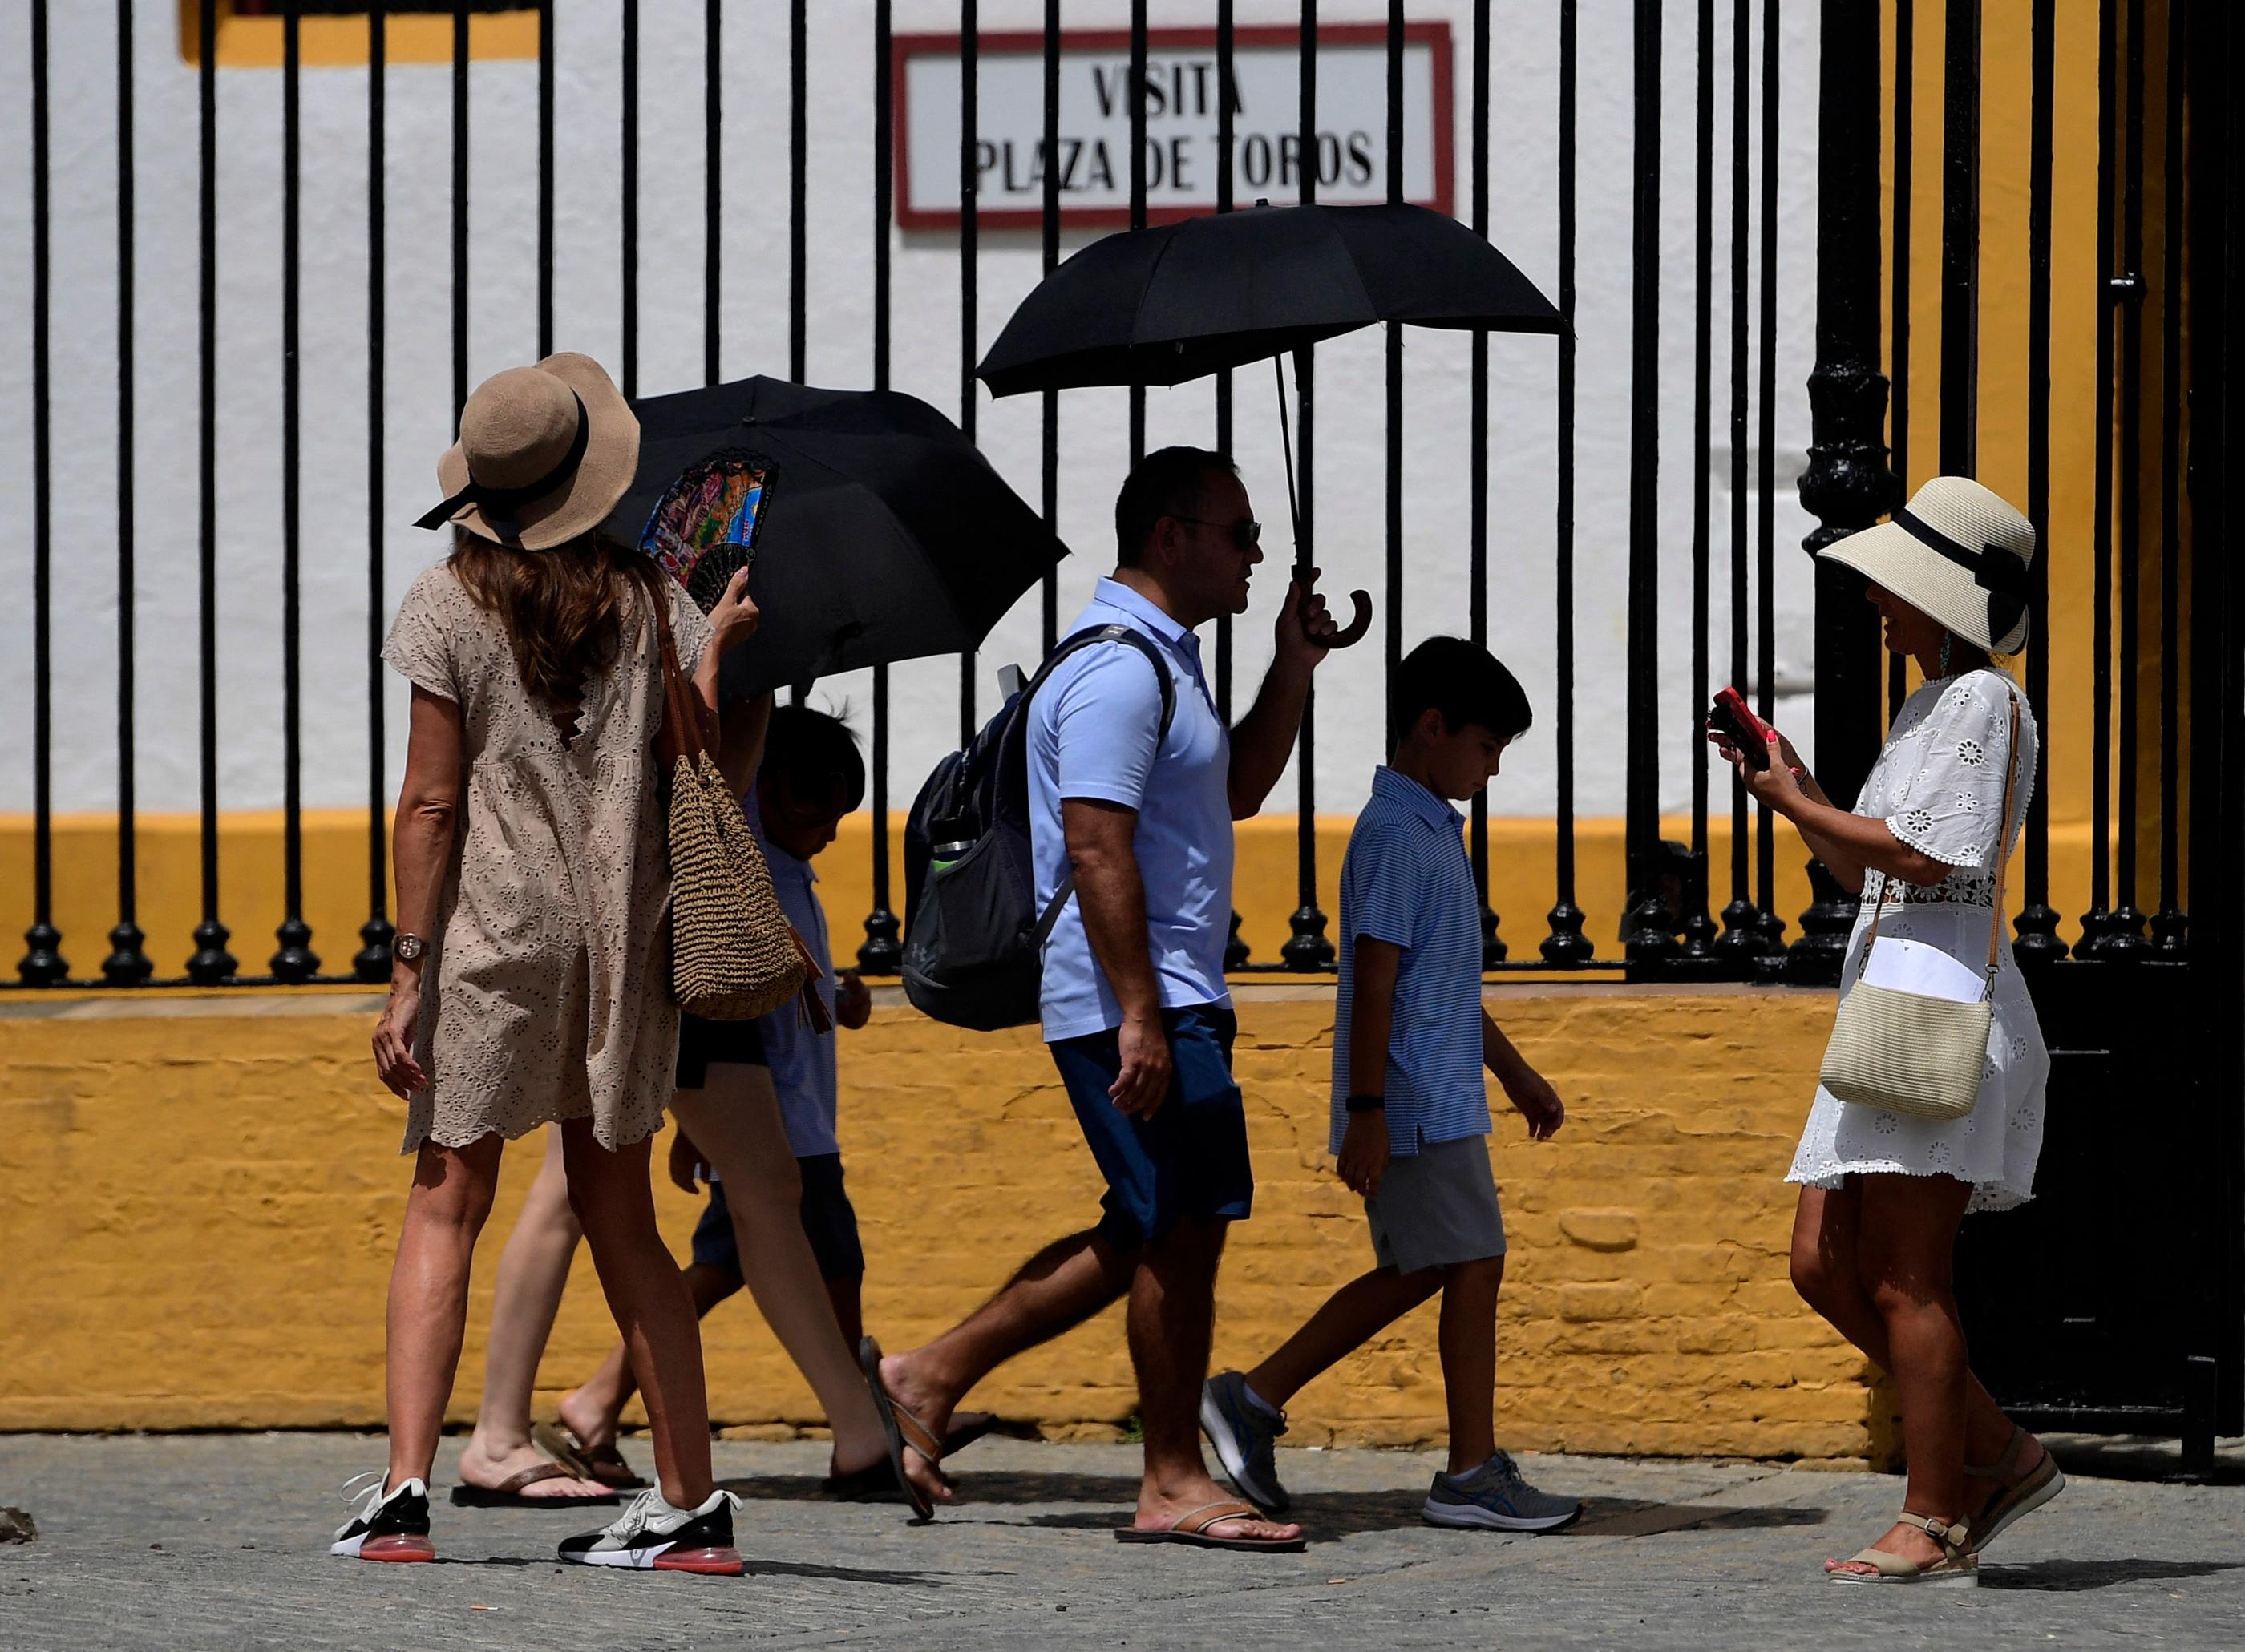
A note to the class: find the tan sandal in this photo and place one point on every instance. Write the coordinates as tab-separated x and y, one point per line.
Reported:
2022	1494
1956	1569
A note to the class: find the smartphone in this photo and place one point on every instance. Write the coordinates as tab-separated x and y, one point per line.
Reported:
1730	715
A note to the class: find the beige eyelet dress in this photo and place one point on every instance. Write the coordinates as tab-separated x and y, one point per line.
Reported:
547	993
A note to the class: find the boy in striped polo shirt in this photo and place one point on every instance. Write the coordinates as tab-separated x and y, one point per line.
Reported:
1410	1112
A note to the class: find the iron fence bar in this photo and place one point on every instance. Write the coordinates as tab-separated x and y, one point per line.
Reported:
1960	238
1848	482
627	135
713	194
2170	928
1493	949
1646	938
1772	926
1898	306
1566	944
1137	392
1741	936
295	961
2124	936
1236	951
371	962
2109	290
970	45
546	177
799	213
127	964
880	951
211	963
1306	947
2037	927
1393	628
459	206
1048	595
43	962
1698	926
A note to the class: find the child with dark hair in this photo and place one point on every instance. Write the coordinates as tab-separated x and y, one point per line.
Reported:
807	774
1410	1110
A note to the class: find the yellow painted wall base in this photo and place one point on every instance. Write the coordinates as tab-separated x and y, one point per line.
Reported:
201	1199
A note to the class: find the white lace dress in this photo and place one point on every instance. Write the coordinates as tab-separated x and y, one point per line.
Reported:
1939	786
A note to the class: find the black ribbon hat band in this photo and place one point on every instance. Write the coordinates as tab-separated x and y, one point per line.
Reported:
1995	570
498	504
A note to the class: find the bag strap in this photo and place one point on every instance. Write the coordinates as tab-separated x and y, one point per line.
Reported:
1048	919
2003	857
684	733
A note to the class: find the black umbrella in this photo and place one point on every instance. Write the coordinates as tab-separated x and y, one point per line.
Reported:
884	534
1164	305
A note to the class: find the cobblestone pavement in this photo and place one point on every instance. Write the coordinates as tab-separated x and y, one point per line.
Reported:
219	1540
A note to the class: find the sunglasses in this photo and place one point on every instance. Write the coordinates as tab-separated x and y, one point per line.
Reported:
1245	535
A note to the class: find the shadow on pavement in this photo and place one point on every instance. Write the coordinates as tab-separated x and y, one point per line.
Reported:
2139	1457
1633	1517
2075	1577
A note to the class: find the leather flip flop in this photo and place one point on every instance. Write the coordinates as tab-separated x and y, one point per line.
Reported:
1191	1529
869	1360
604	1465
508	1493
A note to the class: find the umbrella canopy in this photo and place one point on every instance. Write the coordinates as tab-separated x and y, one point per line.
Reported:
1162	306
884	534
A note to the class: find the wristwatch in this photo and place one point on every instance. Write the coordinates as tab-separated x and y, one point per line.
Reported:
408	947
1368	1103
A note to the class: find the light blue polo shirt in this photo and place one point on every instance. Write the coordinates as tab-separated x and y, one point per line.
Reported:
1406	880
1091	736
802	1062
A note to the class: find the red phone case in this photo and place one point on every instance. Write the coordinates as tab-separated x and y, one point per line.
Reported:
1733	705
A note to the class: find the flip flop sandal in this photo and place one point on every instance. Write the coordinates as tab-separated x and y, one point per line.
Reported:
604	1465
1191	1529
1956	1569
894	1420
875	1483
508	1492
2022	1494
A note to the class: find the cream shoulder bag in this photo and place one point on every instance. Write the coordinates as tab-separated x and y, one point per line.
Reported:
1911	1051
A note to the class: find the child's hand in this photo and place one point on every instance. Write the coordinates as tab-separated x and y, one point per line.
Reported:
686	1163
853	999
1364	1153
1539	1103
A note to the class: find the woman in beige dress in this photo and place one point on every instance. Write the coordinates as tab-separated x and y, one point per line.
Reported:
531	981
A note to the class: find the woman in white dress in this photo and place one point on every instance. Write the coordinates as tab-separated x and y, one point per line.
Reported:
1882	1193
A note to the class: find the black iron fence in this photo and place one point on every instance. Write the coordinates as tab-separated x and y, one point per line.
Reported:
2135	684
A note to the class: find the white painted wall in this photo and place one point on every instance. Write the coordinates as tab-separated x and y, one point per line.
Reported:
502	332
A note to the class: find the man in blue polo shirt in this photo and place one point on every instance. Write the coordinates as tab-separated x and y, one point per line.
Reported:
1134	1002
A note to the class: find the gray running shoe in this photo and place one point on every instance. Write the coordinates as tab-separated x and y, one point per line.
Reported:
1244	1433
1495	1498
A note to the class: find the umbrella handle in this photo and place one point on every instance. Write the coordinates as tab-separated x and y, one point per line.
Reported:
1357	626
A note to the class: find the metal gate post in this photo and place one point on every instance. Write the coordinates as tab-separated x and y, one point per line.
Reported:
1848	484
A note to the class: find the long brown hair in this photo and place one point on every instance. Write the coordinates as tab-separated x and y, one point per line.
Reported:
562	608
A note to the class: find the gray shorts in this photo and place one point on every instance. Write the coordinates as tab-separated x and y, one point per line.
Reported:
1437	1207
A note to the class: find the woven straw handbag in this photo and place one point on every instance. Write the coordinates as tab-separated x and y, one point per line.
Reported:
733	954
1912	1052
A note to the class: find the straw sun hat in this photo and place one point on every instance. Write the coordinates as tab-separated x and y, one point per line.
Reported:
1959	553
544	454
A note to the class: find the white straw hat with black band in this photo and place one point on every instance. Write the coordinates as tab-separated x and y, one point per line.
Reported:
1956	551
545	453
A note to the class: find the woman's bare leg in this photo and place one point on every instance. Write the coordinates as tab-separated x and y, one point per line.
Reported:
615	1202
593	1411
1905	1252
428	1313
735	1120
533	1270
1829	1275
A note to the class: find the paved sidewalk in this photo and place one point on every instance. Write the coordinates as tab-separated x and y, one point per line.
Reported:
193	1541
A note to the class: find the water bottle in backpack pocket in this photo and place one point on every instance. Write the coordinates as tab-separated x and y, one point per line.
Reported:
974	934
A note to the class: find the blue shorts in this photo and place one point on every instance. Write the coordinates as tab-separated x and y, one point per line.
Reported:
1190	1159
830	1222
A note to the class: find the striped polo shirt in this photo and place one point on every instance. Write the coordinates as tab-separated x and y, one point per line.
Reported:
1407	881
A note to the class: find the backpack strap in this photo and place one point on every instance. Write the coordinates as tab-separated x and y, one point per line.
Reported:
1083	639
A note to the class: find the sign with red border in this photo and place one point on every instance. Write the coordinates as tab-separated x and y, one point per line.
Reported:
1182	157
